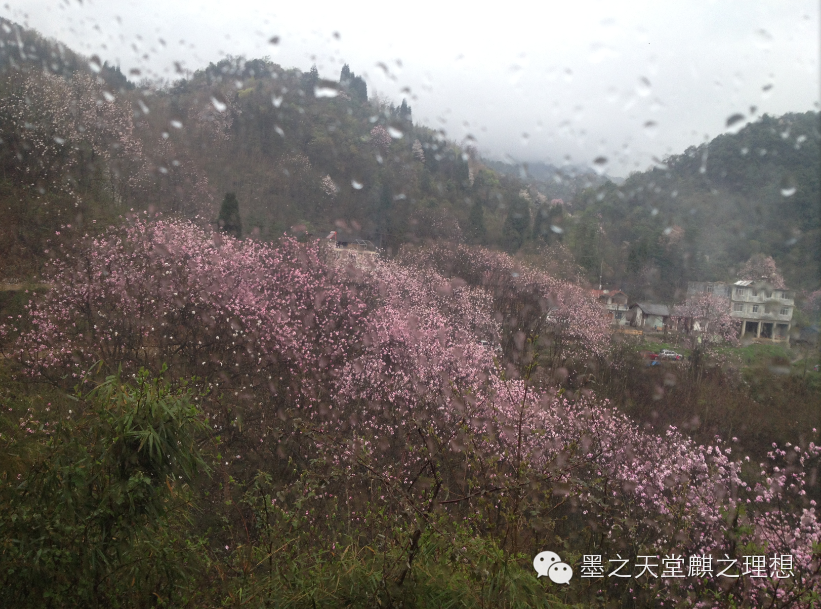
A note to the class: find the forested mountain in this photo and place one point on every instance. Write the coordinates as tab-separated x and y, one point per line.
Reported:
303	152
297	151
701	214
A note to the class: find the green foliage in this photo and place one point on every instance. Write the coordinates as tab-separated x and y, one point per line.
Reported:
364	562
517	225
97	515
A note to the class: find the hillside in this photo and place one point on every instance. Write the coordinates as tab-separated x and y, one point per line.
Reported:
701	214
296	149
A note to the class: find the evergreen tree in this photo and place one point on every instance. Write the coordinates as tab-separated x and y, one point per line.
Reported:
229	221
404	111
355	84
311	79
516	226
359	88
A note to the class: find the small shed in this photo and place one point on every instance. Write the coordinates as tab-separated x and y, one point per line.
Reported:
648	315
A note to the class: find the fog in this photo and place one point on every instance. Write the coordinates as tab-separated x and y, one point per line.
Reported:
629	81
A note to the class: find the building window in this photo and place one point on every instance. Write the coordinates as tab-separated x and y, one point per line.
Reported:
618	314
740	291
785	310
755	308
776	294
755	292
737	306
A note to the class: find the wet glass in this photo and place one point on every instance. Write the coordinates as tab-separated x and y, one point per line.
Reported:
414	305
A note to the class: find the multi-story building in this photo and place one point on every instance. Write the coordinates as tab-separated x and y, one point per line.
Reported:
765	312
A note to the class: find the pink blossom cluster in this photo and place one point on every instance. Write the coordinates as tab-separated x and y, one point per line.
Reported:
63	125
707	316
762	268
388	374
562	314
381	138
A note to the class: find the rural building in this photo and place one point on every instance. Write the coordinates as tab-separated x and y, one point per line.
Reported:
649	316
765	312
615	303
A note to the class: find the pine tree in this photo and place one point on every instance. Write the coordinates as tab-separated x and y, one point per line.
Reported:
229	221
311	79
405	111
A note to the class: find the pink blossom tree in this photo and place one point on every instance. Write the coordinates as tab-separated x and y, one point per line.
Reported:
381	139
556	318
762	268
381	381
67	132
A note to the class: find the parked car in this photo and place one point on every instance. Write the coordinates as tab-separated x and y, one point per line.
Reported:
648	355
668	354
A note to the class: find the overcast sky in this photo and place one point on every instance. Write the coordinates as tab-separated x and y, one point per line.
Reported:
551	81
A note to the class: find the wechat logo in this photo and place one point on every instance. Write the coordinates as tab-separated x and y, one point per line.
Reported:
549	563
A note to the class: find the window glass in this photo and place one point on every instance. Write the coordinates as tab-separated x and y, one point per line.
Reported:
410	305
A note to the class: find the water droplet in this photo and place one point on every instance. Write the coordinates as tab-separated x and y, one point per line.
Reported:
356	185
556	229
763	39
324	92
277	101
667	230
108	96
274	40
651	128
279	130
788	192
644	88
734	118
599	164
525	138
142	106
654	212
95	66
744	151
59	140
395	133
165	135
220	107
176	124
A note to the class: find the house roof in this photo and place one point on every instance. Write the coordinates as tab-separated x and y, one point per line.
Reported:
744	282
653	309
598	293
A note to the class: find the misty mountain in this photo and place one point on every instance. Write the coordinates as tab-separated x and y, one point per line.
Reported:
553	182
704	212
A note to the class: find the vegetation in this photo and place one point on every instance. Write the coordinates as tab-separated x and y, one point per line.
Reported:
208	407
